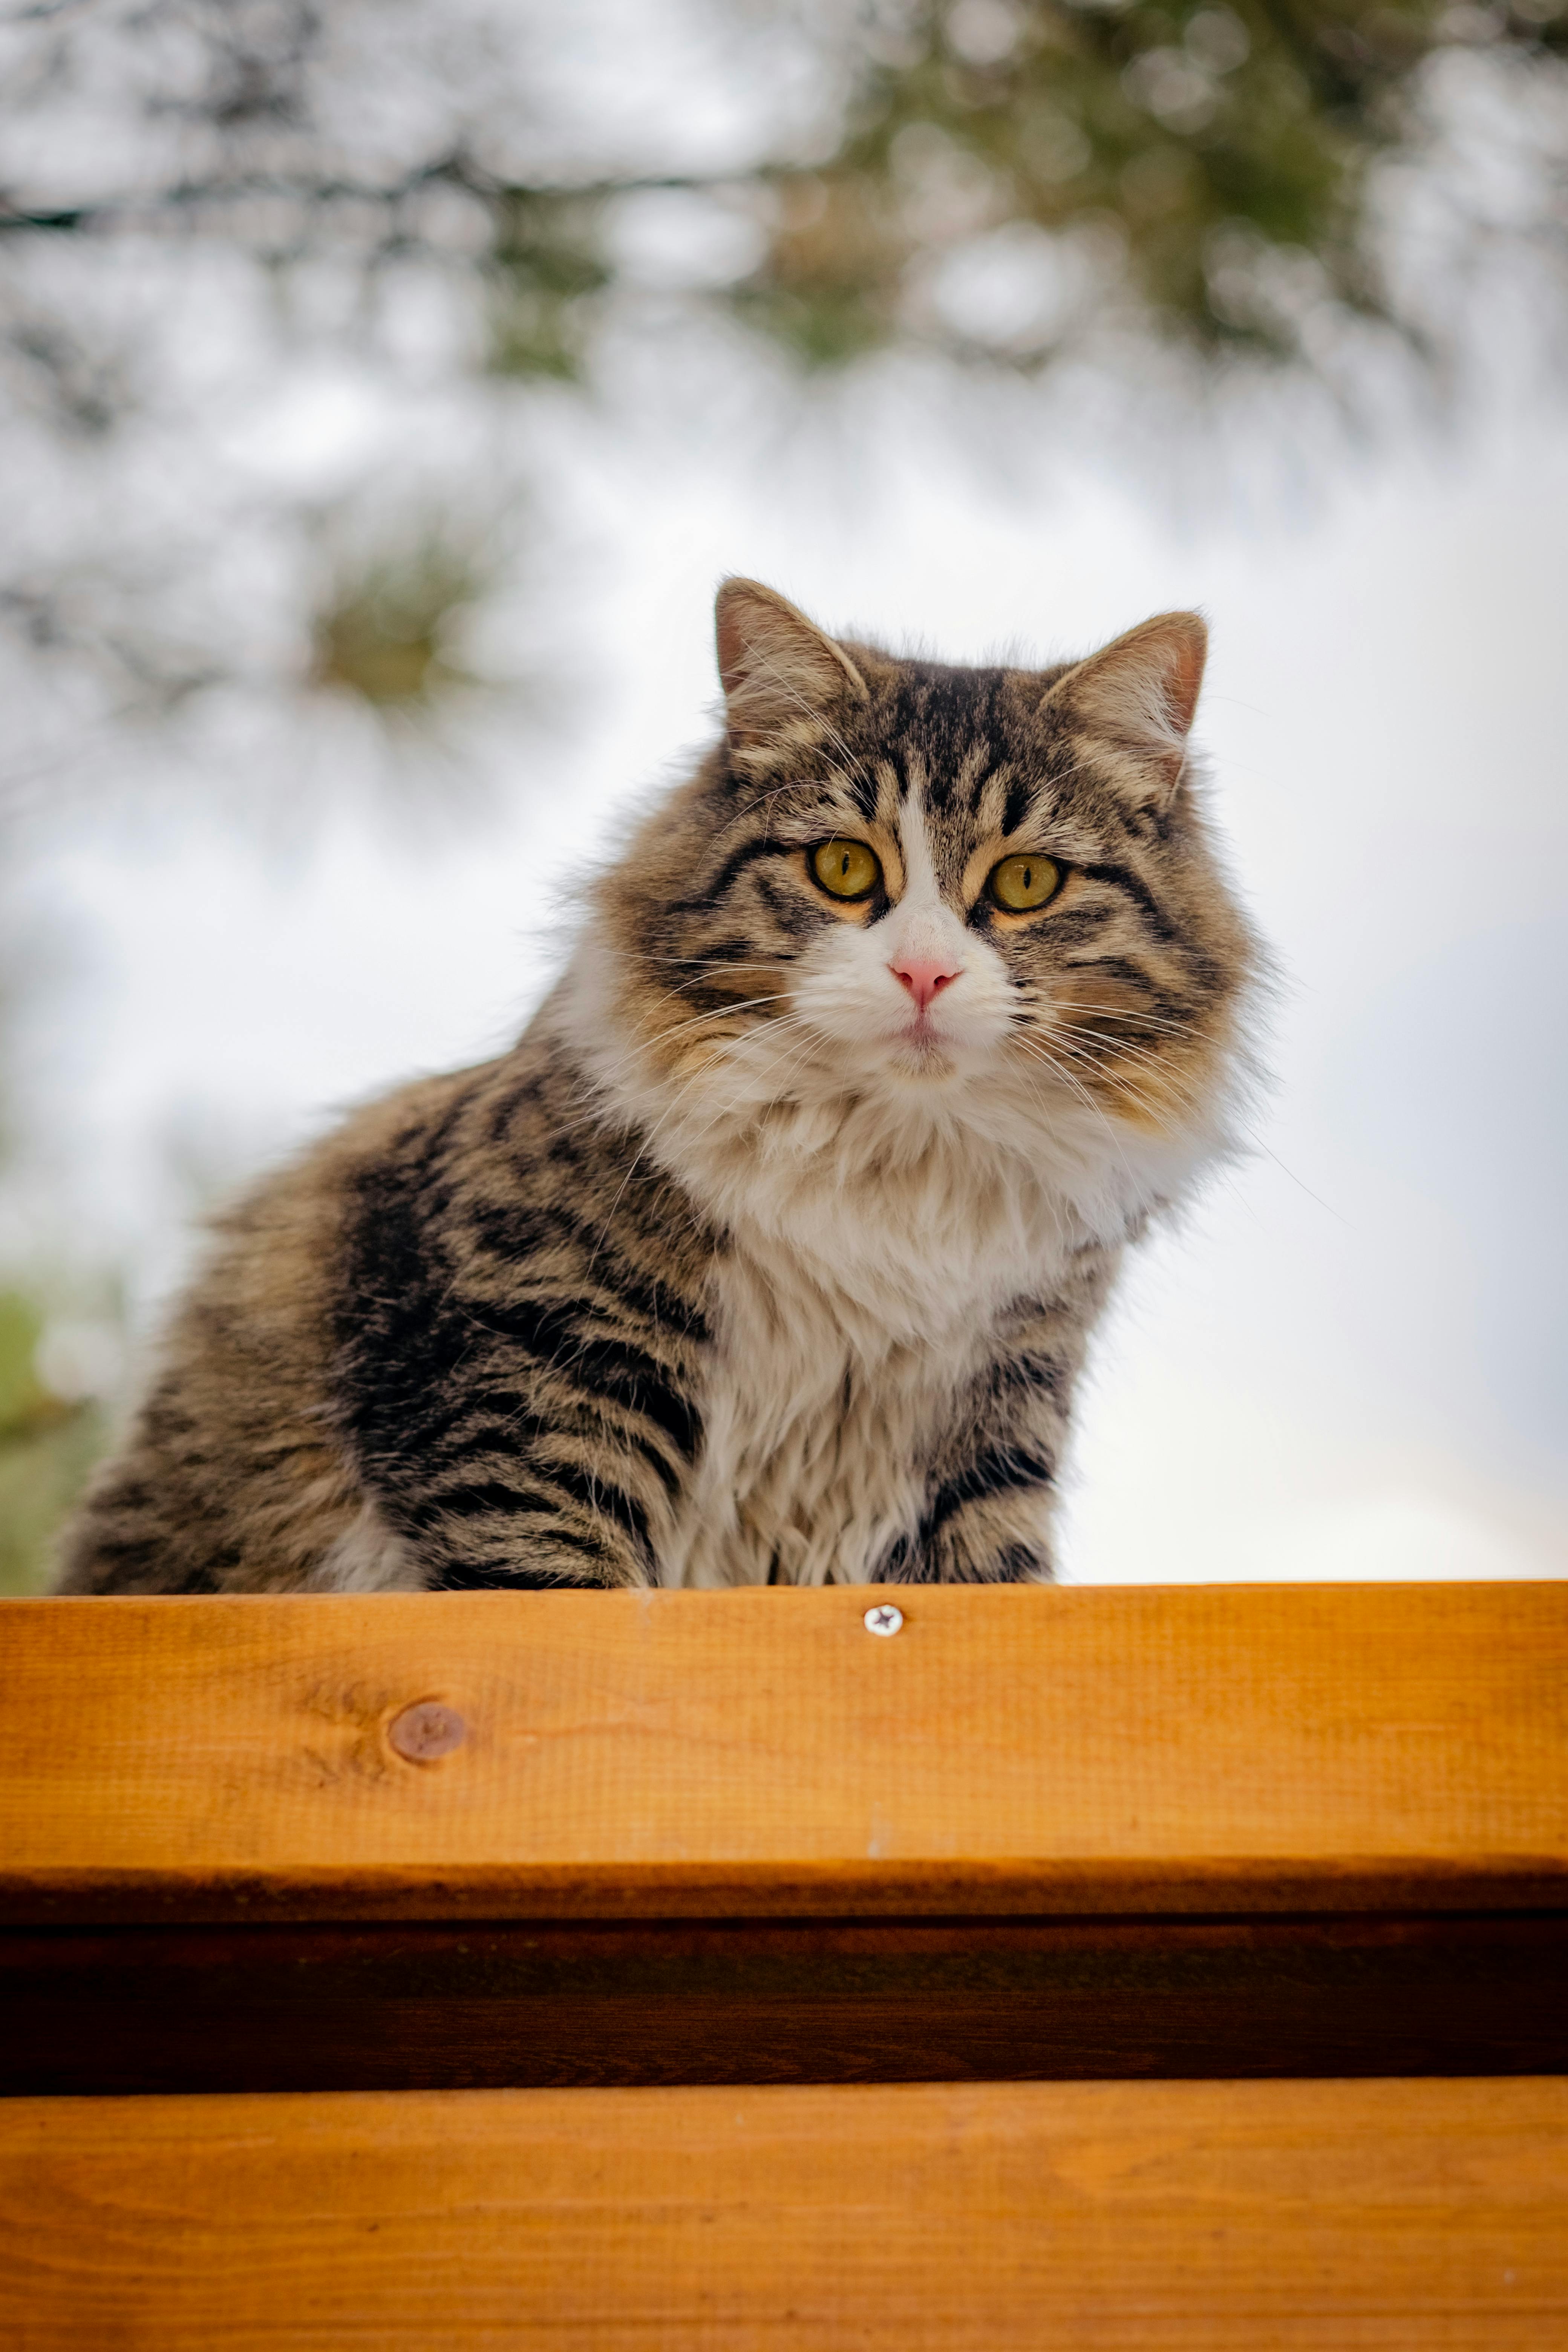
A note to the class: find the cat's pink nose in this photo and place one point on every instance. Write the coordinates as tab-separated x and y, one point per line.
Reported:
923	976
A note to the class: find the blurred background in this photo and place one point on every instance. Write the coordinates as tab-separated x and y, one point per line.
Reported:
385	385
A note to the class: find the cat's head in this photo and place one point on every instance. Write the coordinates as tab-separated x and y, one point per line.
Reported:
975	895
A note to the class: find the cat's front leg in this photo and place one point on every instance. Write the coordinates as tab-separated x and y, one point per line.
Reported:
535	1554
556	1515
521	1357
987	1520
517	1473
991	1487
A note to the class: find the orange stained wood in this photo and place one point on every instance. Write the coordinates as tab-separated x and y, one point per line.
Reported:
1404	2216
605	1754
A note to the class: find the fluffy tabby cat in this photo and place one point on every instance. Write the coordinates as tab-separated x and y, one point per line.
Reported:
771	1252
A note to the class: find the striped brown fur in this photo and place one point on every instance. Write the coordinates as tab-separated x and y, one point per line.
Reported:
751	1261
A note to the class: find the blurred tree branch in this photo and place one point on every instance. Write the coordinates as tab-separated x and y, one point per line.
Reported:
441	194
938	119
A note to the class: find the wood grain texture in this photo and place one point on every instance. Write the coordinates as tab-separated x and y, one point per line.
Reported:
412	2005
682	1754
1205	2216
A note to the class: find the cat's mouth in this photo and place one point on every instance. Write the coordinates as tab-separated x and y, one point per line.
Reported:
923	1048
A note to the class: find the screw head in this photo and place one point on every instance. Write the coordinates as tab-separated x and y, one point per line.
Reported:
884	1619
425	1730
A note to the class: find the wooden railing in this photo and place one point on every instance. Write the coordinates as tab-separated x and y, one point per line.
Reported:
742	1977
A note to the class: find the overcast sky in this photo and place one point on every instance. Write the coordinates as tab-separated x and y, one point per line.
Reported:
1351	1360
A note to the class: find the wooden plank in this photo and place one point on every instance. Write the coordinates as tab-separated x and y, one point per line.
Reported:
1205	2216
416	2005
1011	1750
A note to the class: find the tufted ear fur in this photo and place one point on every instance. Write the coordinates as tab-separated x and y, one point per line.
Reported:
775	666
1139	693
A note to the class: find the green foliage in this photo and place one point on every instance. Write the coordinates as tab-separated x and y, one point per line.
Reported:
999	183
546	265
1215	158
829	289
1209	161
1160	125
47	1446
452	219
384	628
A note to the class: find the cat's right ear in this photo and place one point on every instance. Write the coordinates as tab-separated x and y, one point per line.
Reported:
777	668
1140	696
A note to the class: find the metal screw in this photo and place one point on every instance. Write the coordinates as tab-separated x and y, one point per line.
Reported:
884	1618
425	1730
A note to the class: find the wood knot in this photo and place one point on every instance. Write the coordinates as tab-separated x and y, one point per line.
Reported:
425	1730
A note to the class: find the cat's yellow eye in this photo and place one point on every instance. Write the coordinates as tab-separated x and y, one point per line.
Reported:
847	869
1021	884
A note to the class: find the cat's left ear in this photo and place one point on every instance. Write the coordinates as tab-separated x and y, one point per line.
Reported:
1140	694
776	667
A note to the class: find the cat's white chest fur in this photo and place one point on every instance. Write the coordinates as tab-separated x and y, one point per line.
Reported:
810	1440
850	1309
